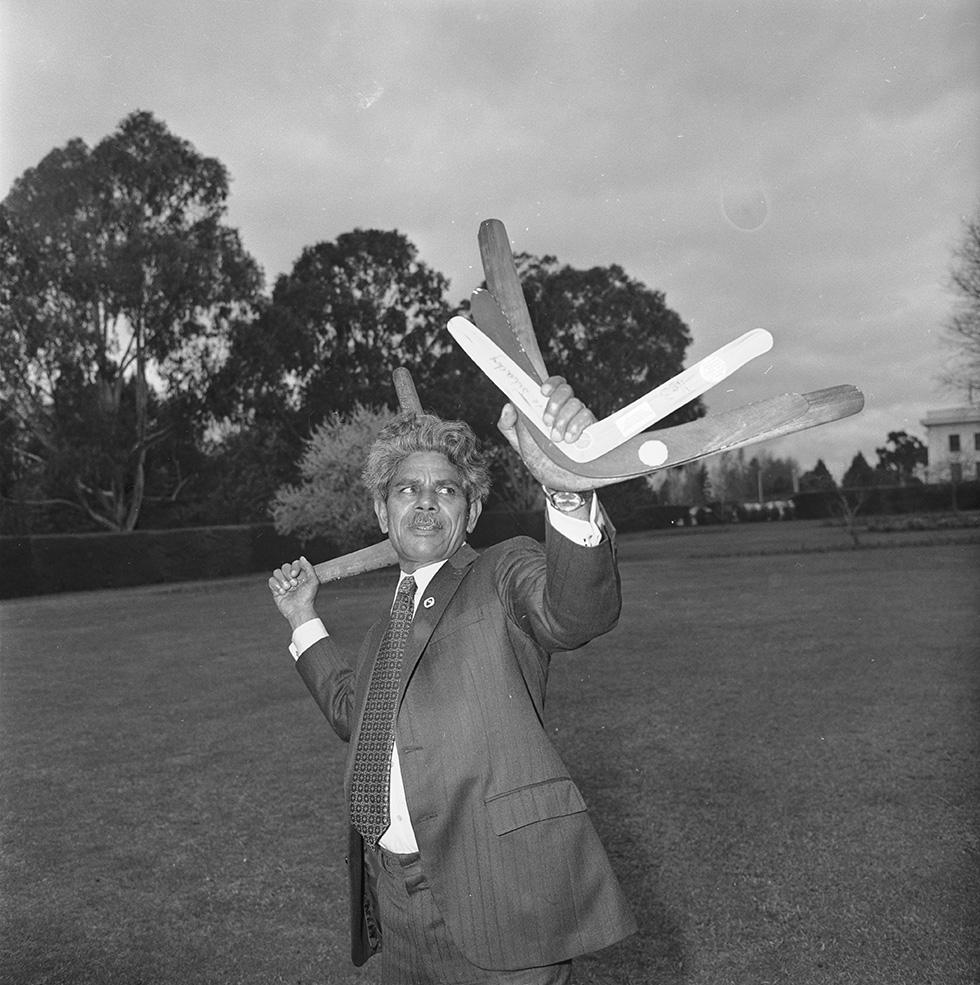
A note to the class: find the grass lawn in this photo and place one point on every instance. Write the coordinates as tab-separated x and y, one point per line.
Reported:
779	750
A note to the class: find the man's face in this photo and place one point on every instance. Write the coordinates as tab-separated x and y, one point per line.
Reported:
426	516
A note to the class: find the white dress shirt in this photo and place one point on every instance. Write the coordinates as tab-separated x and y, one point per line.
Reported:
400	835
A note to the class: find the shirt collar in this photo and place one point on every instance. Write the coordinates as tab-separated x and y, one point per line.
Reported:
423	575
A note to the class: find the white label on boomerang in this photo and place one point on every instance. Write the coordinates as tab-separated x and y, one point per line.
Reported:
652	453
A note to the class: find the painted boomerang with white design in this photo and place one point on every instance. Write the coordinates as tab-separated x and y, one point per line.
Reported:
502	315
605	435
669	447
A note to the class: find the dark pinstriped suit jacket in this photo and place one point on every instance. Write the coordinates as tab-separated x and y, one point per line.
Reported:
508	848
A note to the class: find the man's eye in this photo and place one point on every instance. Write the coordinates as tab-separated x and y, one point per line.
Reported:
448	490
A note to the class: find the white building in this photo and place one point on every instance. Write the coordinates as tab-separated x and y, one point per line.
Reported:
953	437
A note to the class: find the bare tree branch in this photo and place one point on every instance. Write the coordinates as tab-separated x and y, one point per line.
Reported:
962	334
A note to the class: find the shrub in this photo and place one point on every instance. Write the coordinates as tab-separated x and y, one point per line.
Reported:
330	500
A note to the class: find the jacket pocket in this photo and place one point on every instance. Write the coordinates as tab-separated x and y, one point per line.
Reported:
536	802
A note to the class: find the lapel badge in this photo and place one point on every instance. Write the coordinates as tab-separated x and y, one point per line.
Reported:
429	602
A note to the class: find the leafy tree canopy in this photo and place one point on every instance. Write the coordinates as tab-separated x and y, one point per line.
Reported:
859	474
348	313
120	283
817	479
132	317
899	457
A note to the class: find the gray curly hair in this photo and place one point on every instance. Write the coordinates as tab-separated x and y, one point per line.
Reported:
409	433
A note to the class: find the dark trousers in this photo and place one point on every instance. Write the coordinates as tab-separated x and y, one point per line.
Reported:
417	948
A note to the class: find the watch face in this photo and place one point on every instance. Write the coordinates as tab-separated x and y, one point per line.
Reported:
567	501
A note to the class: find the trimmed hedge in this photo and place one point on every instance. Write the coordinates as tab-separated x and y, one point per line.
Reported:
51	563
72	562
891	500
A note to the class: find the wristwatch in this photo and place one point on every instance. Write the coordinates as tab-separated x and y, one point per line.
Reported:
564	500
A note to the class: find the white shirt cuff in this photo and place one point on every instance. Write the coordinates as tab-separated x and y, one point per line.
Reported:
585	533
305	635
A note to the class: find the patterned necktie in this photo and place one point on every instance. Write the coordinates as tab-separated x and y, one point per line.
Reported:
372	760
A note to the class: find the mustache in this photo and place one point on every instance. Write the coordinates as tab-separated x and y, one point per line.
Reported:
425	521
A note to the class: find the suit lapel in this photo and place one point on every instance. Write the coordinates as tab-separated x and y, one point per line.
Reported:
432	605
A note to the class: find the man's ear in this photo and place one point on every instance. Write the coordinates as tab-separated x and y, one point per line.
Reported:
476	508
381	512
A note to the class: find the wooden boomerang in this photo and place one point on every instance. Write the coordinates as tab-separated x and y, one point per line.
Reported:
600	437
505	319
670	447
504	284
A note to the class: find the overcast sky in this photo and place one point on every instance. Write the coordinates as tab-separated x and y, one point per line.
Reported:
804	166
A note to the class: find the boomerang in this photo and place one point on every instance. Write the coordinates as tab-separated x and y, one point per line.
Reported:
502	315
605	435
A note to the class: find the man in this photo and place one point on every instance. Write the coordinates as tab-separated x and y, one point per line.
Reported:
472	858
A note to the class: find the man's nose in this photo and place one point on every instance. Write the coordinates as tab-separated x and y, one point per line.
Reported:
426	499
